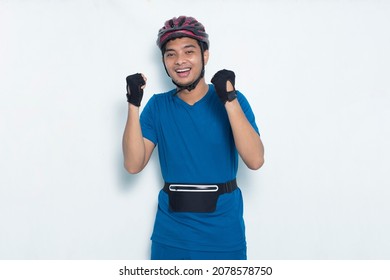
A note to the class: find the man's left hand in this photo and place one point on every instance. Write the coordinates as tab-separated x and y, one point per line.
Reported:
224	81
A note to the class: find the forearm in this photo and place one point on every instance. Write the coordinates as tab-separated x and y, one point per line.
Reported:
248	142
133	144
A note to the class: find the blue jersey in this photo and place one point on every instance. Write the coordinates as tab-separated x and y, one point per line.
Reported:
196	145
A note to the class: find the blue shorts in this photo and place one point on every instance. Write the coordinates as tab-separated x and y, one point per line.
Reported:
164	252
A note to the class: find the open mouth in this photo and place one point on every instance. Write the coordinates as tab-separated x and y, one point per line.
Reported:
183	72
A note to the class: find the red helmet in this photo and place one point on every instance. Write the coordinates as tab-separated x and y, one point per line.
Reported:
182	27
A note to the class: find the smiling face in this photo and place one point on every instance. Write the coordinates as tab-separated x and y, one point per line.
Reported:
183	60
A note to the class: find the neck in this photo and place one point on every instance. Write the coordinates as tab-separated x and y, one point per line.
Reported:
193	96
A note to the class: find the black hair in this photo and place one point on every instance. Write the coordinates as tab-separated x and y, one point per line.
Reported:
203	46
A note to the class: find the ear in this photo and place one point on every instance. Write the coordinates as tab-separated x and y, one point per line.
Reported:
206	56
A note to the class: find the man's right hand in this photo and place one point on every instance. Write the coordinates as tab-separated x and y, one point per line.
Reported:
135	88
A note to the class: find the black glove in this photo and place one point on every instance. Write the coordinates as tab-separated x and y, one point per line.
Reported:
134	90
219	80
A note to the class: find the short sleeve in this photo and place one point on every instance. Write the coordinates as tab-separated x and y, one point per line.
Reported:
247	111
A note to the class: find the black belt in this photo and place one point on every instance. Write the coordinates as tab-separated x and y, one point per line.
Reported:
196	197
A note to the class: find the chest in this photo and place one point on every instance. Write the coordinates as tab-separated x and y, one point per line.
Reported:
201	124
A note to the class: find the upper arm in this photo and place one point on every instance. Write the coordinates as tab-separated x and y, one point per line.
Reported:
147	120
149	147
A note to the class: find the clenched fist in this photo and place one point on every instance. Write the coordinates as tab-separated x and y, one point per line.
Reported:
135	88
220	81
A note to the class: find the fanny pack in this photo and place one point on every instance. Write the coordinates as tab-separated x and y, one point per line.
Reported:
196	197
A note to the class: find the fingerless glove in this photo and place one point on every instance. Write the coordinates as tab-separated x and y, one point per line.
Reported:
219	80
134	90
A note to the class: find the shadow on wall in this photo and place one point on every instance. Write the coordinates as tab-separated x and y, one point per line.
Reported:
246	178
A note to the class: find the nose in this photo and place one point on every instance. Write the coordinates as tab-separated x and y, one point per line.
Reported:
179	59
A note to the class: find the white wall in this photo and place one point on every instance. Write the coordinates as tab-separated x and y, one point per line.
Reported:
317	76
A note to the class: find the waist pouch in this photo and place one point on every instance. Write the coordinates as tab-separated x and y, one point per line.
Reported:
196	197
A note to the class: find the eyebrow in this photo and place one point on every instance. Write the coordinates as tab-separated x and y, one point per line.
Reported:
185	47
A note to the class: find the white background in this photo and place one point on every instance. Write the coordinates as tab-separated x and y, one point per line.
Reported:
315	72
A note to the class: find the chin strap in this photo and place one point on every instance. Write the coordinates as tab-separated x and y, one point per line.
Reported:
190	86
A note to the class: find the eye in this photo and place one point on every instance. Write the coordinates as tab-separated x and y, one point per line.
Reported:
169	54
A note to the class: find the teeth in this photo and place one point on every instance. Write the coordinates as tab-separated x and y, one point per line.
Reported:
182	70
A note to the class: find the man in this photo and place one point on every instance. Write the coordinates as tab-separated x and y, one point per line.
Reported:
200	130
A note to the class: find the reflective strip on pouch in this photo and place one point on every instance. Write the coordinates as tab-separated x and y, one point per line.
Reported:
193	188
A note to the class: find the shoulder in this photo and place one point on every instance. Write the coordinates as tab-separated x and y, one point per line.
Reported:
164	95
242	98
